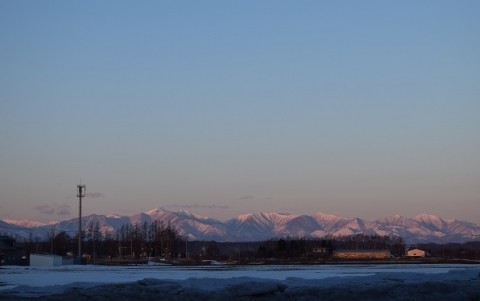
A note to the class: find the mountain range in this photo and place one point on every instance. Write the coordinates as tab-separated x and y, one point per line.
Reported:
264	226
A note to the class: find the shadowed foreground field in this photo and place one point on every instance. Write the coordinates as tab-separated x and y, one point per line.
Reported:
459	285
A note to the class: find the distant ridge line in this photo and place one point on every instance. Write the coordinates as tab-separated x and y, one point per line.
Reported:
268	225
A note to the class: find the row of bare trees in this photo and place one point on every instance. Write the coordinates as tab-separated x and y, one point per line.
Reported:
133	242
157	240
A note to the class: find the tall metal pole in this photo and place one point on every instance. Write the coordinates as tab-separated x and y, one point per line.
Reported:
80	194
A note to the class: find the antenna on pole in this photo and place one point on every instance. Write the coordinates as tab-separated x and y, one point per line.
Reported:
80	194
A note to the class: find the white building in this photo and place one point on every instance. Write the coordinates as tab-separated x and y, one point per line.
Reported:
45	260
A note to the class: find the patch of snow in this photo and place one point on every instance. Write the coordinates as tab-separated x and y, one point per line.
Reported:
114	216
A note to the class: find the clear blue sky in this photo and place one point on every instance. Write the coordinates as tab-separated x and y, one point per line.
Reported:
356	108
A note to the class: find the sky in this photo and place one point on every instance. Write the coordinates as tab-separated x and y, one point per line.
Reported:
354	108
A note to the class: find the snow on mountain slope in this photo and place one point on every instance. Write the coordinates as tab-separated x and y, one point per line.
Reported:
397	225
463	228
269	219
329	222
397	221
190	225
356	226
106	224
318	234
302	225
252	226
431	221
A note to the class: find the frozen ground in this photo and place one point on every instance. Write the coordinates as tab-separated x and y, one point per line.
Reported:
321	282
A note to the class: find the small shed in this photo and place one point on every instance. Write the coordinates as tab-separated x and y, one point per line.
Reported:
415	253
45	260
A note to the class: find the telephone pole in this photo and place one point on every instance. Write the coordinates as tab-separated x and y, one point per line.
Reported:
80	194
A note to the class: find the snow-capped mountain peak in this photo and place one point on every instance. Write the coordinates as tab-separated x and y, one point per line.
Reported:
154	211
327	216
427	217
192	215
394	220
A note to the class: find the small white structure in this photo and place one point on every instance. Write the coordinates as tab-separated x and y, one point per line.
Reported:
415	253
45	260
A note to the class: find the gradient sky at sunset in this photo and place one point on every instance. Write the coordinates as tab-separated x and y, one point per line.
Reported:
355	108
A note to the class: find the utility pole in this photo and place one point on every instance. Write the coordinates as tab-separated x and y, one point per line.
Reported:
80	194
53	239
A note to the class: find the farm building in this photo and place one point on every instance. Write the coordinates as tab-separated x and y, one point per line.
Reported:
361	254
415	253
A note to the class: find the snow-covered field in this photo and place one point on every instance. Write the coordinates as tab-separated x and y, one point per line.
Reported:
299	282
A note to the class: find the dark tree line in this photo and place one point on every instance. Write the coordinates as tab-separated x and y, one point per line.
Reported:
468	250
394	244
161	241
305	248
291	248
